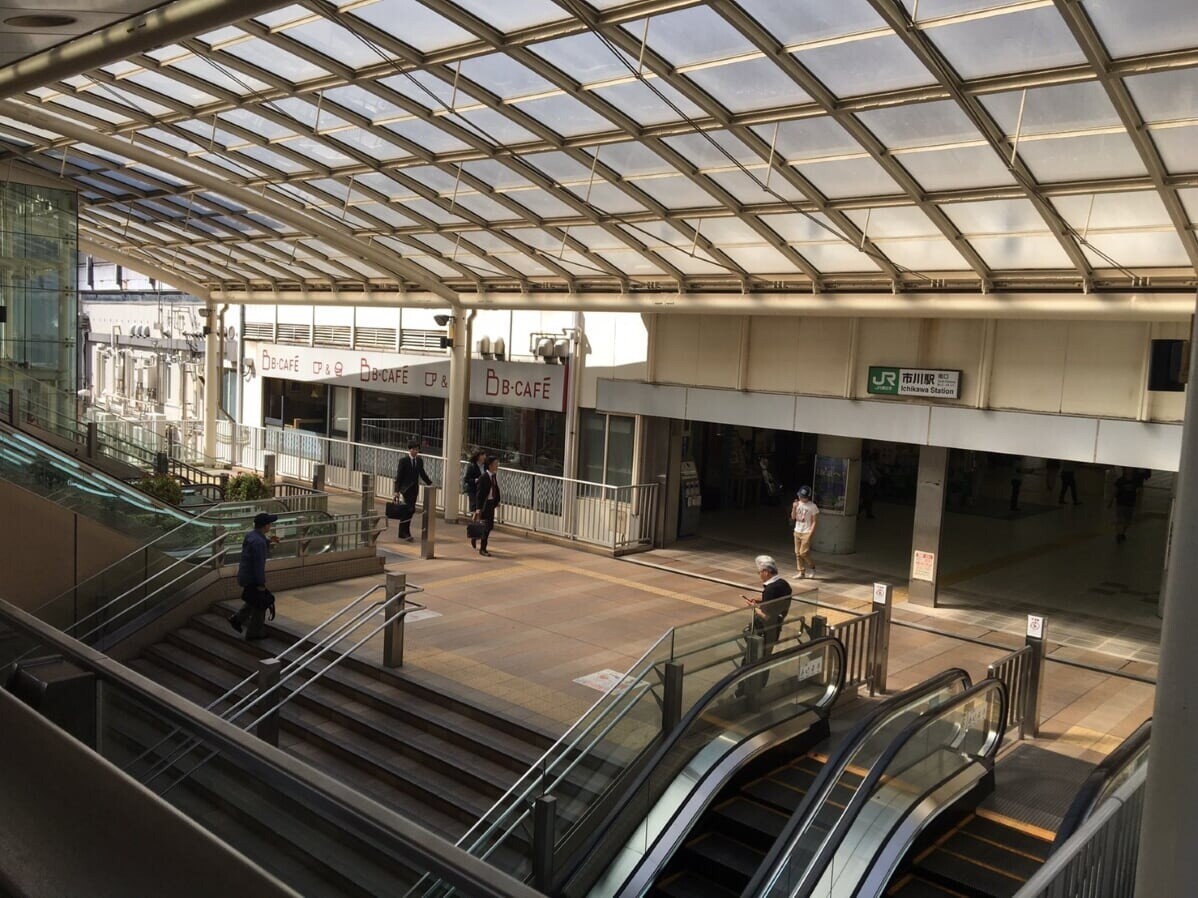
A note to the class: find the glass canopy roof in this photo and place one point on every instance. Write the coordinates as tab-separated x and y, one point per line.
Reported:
604	145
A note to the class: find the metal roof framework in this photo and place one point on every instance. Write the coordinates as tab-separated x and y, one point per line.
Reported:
542	146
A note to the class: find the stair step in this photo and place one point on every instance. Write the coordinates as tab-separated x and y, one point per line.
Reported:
754	822
972	876
918	887
737	858
688	885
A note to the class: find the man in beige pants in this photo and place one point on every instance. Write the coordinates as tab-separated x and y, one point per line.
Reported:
805	515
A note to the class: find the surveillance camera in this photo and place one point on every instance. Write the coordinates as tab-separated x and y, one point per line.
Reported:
442	320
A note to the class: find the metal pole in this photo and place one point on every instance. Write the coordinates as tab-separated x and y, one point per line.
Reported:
93	443
457	408
428	523
880	663
1168	864
671	698
367	495
544	840
14	413
268	471
318	478
1037	627
393	633
268	676
212	379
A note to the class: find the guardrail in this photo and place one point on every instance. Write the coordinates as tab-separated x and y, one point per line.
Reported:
1023	673
619	518
1100	858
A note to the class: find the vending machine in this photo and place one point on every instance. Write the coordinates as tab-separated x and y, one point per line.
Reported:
690	500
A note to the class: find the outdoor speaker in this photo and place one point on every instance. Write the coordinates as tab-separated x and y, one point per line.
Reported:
1168	367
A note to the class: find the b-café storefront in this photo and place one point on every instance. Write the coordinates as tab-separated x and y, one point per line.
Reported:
517	409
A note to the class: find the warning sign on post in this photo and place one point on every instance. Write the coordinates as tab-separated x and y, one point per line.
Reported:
923	566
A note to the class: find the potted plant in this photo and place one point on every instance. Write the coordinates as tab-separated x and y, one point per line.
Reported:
162	487
246	488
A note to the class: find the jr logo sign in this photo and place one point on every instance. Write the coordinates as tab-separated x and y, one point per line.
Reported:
883	381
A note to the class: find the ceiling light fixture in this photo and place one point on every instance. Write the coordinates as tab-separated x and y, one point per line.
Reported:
40	20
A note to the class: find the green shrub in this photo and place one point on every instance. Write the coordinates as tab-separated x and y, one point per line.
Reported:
162	487
246	488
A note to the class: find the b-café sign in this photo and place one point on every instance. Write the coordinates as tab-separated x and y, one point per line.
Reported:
523	384
930	383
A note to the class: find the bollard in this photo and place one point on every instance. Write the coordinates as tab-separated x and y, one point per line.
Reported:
318	477
14	409
671	697
161	460
268	676
268	471
1037	627
393	632
428	523
544	839
93	443
880	661
367	495
819	626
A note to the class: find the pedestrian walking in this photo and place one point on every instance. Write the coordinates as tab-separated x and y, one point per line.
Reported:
1068	482
256	599
805	515
1127	491
488	499
772	606
870	478
474	470
407	484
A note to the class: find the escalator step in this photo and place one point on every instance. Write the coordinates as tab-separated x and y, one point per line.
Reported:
738	858
780	795
688	885
1015	839
972	876
797	778
917	887
750	821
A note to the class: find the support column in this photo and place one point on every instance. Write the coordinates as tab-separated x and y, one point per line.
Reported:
1168	864
456	410
836	534
211	380
929	515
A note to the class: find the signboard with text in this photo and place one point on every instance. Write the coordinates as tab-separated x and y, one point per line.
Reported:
929	383
522	384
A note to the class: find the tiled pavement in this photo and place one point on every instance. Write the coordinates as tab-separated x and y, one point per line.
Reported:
518	628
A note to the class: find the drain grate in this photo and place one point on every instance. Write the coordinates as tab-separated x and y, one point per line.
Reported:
1036	786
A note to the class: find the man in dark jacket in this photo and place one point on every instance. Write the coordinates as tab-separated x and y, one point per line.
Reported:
771	609
251	577
487	497
407	483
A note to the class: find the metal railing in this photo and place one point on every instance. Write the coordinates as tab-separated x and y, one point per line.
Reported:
619	518
1100	858
337	820
860	636
1015	669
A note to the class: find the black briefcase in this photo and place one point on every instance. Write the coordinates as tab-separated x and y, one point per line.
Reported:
476	529
396	511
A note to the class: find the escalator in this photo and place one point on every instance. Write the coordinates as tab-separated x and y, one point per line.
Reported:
714	839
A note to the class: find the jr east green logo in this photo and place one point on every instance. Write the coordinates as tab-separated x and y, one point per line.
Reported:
884	381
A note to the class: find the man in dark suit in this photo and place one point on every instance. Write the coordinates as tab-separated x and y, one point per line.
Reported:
771	609
487	498
407	483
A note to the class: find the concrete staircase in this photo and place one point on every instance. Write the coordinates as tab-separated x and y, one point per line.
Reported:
441	761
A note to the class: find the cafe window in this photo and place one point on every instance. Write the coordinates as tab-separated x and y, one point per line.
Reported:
605	448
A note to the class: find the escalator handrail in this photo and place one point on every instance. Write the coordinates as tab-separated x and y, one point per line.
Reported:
601	831
836	764
872	779
1095	784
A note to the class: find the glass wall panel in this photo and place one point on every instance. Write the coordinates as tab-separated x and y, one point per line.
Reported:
38	280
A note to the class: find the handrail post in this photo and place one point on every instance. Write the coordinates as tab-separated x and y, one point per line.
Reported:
268	471
671	697
880	662
393	632
1037	628
224	483
268	676
819	626
428	523
14	413
544	840
367	495
93	441
318	478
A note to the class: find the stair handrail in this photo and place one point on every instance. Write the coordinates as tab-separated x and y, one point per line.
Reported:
402	611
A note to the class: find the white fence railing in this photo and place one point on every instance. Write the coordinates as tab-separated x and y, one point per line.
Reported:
620	518
1099	859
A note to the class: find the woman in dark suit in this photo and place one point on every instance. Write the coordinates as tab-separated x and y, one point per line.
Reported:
487	496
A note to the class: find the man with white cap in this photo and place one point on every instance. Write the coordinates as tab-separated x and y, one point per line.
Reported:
771	609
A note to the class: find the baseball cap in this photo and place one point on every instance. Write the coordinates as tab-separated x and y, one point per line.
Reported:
804	492
262	519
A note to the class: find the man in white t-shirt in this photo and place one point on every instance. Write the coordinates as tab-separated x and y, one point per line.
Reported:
805	515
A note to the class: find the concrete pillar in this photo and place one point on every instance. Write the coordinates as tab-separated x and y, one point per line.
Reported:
456	410
836	533
211	380
1168	864
929	514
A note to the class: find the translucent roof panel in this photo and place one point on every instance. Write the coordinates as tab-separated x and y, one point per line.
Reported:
1148	249
849	177
1024	40
338	44
565	115
1130	29
269	58
1033	252
422	29
1165	96
513	15
1123	211
1178	148
586	59
1110	155
1052	110
648	103
749	85
689	36
920	125
864	66
808	21
956	168
503	76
